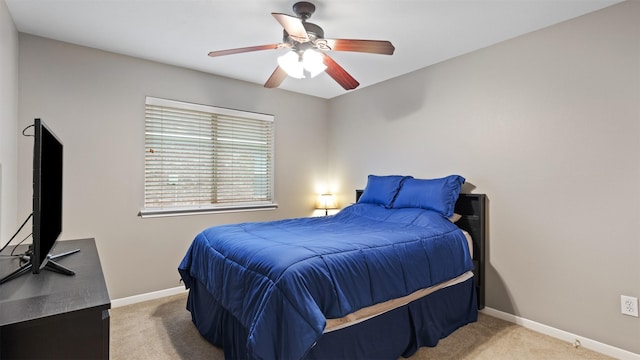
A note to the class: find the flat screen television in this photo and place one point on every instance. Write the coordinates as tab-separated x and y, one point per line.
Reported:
47	205
47	194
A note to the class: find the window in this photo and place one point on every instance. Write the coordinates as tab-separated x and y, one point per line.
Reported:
202	158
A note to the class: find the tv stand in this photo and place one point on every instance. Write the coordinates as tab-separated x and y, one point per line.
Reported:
49	316
49	265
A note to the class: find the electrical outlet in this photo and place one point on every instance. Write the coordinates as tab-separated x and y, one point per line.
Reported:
629	305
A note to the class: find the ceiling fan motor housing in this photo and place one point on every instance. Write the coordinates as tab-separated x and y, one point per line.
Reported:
304	9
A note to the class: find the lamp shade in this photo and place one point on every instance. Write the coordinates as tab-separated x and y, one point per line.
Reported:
326	201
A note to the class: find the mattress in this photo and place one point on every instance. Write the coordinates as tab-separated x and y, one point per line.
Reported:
372	311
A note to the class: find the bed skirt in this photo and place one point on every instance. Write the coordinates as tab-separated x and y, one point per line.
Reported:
399	332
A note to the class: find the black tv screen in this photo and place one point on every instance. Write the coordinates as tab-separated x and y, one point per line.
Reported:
47	194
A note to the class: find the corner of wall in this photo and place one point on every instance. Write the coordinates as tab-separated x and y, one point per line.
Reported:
8	123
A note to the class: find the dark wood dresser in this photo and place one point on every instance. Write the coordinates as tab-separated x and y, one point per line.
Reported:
54	316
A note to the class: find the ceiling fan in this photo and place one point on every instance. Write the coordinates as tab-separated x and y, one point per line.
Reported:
308	46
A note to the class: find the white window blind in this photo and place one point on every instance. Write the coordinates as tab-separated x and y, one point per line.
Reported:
203	158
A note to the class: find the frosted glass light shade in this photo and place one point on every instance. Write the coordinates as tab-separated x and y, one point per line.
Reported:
295	65
290	63
313	62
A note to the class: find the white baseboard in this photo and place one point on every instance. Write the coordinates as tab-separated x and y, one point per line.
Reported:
563	335
148	296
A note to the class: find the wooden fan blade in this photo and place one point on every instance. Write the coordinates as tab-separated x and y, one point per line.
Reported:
276	78
340	75
246	49
293	26
368	46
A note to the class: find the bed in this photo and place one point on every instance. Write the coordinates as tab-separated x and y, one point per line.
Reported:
378	280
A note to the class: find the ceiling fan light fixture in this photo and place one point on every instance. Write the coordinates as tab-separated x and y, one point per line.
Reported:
313	62
295	65
304	39
291	64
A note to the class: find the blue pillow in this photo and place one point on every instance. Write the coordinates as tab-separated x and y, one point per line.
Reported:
432	194
382	189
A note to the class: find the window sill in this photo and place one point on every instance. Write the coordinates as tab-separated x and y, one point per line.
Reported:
155	213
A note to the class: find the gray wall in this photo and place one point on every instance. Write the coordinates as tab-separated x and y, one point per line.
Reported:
94	102
8	124
548	126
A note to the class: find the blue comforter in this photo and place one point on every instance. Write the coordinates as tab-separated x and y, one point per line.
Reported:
282	279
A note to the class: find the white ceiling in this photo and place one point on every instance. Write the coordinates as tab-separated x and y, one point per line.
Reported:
182	32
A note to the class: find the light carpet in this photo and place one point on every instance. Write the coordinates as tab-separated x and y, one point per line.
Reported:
162	329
